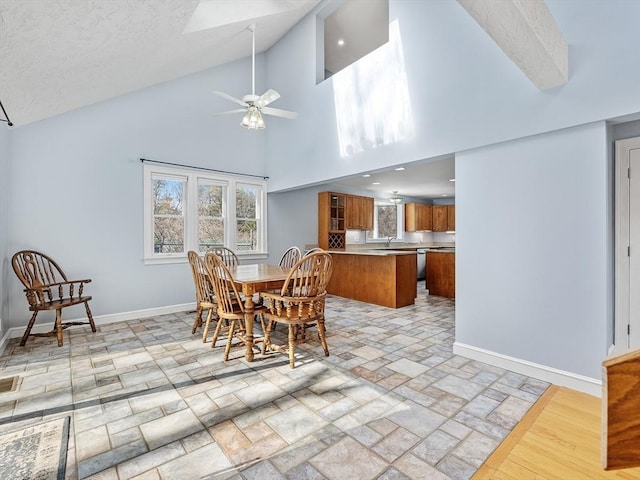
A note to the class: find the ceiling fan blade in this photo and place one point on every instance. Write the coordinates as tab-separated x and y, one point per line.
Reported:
279	113
229	97
267	97
238	110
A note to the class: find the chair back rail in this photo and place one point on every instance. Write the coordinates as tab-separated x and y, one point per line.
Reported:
227	255
290	257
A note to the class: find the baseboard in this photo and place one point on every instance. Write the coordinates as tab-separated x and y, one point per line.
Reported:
17	332
552	375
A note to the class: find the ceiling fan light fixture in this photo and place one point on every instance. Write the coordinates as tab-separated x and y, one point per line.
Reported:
252	120
395	198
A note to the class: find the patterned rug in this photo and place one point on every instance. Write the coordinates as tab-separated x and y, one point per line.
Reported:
35	452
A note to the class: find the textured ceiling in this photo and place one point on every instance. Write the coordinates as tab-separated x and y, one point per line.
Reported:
58	55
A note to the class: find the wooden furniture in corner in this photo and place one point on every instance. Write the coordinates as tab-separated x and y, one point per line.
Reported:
451	218
47	288
621	411
338	212
418	217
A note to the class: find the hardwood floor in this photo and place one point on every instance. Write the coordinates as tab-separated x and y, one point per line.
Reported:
558	439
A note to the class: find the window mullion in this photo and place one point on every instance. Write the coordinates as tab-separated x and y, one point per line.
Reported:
192	214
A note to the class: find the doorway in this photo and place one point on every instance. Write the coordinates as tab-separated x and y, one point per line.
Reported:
627	245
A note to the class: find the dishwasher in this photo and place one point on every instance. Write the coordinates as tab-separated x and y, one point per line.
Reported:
421	255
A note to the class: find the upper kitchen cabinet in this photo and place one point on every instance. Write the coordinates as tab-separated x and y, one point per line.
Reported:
451	218
359	214
444	218
418	217
338	212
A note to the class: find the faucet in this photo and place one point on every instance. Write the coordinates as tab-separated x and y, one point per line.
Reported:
389	240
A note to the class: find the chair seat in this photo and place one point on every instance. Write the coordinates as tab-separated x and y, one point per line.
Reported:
60	303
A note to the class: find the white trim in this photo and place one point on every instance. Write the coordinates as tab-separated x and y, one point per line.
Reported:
622	240
17	332
592	386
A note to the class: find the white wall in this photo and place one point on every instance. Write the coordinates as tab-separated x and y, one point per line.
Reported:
76	184
464	91
5	263
532	278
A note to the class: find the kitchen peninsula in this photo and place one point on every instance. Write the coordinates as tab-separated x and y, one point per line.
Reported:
382	277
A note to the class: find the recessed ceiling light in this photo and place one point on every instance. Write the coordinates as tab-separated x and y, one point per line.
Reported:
444	195
375	183
366	175
452	179
399	169
341	42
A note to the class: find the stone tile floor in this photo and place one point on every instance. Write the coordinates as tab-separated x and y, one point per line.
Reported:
150	401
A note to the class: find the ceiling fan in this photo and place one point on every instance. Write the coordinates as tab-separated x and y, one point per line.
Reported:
255	105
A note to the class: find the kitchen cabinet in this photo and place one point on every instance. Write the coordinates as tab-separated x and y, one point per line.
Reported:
359	212
418	217
439	218
331	220
451	218
444	218
378	277
338	212
441	273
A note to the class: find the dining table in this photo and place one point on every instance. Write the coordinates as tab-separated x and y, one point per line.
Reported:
252	279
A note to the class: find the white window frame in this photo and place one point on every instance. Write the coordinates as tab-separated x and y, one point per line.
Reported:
399	219
193	176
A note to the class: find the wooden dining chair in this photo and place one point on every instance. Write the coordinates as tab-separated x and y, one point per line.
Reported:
48	288
290	257
230	306
205	296
312	251
227	255
300	303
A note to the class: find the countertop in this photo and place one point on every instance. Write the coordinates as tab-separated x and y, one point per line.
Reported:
384	252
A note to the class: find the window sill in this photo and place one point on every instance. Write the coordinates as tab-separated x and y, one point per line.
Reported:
164	260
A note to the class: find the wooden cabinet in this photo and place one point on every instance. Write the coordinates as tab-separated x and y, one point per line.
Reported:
359	213
441	274
440	218
417	217
338	212
444	218
451	218
331	220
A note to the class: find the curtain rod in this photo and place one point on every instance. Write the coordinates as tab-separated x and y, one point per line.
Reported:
5	116
203	168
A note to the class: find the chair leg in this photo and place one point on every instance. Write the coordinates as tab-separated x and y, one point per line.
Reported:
59	326
28	329
227	347
207	322
216	332
292	341
198	320
323	337
267	335
90	317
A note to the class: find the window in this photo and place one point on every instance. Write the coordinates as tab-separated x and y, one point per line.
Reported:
388	221
193	210
352	31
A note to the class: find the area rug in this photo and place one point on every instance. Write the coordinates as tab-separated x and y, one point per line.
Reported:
37	452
